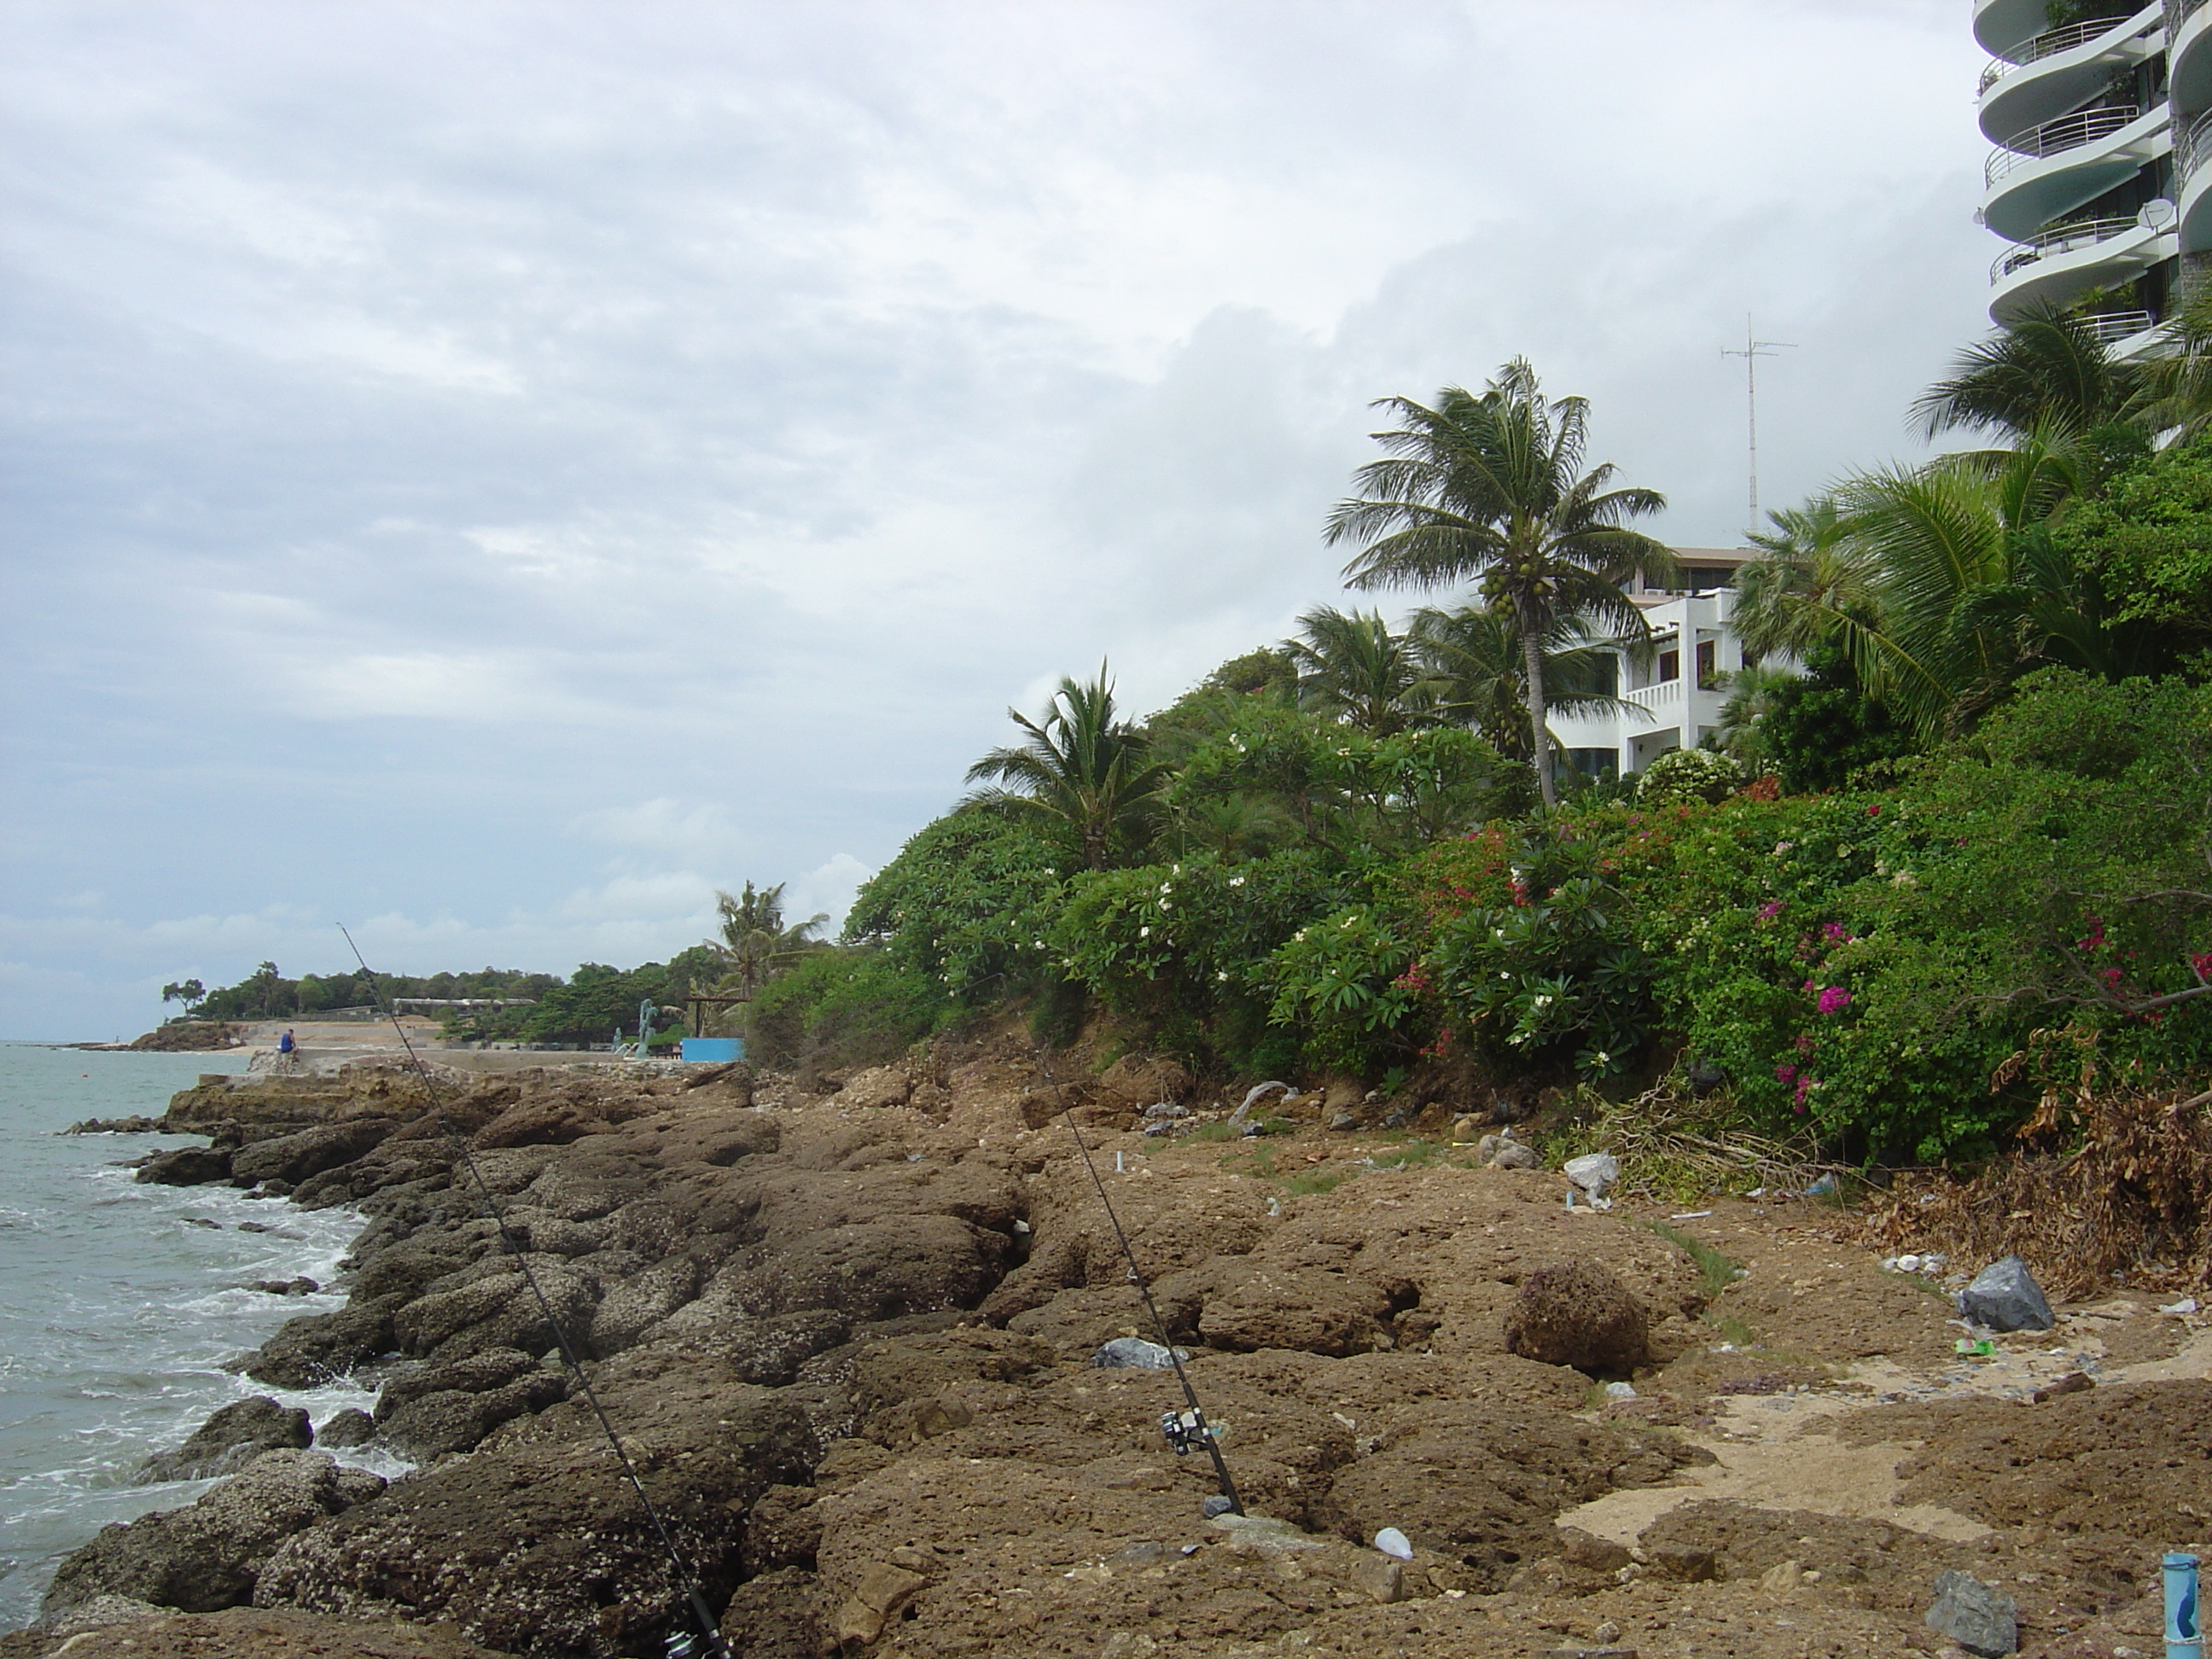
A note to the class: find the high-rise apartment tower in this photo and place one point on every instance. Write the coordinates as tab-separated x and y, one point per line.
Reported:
2102	174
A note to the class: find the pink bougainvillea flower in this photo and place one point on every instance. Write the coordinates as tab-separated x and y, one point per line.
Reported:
1835	932
1875	811
2111	977
1773	908
1834	999
1808	988
1784	1074
2202	962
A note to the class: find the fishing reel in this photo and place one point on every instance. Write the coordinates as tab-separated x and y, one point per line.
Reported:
1186	1431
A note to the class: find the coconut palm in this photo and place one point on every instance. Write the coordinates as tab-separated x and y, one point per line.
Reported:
2173	392
1752	692
1480	678
1809	570
1078	765
2048	370
1490	488
1352	667
754	941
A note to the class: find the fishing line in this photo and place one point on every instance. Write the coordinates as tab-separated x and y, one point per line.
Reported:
679	1647
1202	1434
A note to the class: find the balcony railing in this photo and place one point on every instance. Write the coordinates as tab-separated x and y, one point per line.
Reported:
2048	45
2195	146
2056	138
2060	240
2111	326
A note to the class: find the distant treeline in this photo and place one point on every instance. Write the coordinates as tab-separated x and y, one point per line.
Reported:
593	1006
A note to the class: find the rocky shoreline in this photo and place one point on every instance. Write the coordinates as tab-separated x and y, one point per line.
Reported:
848	1339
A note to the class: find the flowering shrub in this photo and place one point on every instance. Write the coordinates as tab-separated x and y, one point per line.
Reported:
968	905
1351	982
1682	776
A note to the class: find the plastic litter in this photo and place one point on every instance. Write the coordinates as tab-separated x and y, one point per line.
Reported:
1162	1109
2005	1297
1690	1215
1255	1092
1824	1188
2186	1305
1620	1391
1593	1173
1391	1541
1133	1353
1983	1349
2184	1633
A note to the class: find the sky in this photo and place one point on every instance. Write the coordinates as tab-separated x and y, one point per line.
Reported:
491	474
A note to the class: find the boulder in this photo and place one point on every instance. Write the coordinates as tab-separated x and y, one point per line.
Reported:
294	1158
455	1419
1578	1313
532	1544
884	1085
629	1306
541	1123
768	1353
2004	1297
1316	1312
231	1438
492	1305
314	1348
343	1428
1980	1619
187	1166
883	1269
209	1555
494	1368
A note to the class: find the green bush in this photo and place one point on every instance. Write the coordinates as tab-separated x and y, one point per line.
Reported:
968	905
850	1006
1682	776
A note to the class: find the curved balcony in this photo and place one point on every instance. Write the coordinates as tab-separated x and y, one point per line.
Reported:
2189	59
2061	69
2071	259
2002	26
2054	168
2192	173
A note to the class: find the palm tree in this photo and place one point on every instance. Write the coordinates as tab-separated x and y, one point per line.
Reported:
1751	692
1810	569
1351	665
2049	370
1480	676
1080	766
755	942
1490	488
2173	392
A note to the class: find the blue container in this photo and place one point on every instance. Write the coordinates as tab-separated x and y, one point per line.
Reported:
713	1050
2184	1637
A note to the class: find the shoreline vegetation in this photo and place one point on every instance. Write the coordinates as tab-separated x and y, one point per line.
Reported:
1910	963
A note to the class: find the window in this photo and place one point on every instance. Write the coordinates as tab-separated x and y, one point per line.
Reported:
1707	674
1595	763
1670	664
1702	577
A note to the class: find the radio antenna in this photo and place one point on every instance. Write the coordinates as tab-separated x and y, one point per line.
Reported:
1750	351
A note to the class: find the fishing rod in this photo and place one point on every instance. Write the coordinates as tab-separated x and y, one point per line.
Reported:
1183	1428
679	1646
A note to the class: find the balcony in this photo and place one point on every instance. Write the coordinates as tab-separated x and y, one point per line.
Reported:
2004	26
2111	327
2188	58
2192	174
2051	169
2061	69
2067	260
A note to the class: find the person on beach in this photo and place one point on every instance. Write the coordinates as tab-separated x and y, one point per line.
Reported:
287	1050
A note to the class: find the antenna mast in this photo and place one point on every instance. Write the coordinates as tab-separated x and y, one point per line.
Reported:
1750	351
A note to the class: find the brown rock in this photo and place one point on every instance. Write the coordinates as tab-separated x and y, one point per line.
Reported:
1578	1313
884	1591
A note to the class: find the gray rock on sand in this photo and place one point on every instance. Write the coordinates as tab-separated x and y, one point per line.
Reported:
2005	1297
1134	1354
1978	1619
209	1555
231	1438
295	1157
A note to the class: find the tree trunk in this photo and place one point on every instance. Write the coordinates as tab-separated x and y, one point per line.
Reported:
1532	658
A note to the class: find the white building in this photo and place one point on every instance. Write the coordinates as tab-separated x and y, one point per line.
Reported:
2099	176
1674	698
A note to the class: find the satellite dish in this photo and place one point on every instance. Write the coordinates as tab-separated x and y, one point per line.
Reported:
2157	213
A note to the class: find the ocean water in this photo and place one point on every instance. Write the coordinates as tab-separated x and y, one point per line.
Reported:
118	1303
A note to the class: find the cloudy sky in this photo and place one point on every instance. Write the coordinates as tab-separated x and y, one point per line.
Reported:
489	474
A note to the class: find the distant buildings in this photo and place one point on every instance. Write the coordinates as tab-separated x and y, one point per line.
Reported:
2103	129
1674	698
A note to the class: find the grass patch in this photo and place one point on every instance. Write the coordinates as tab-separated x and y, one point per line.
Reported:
1316	1181
1223	1130
1716	1272
1413	1154
1734	1330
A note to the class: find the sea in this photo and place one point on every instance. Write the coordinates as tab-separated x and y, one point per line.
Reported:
119	1303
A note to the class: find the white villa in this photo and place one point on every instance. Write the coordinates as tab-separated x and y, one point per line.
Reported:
1674	699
